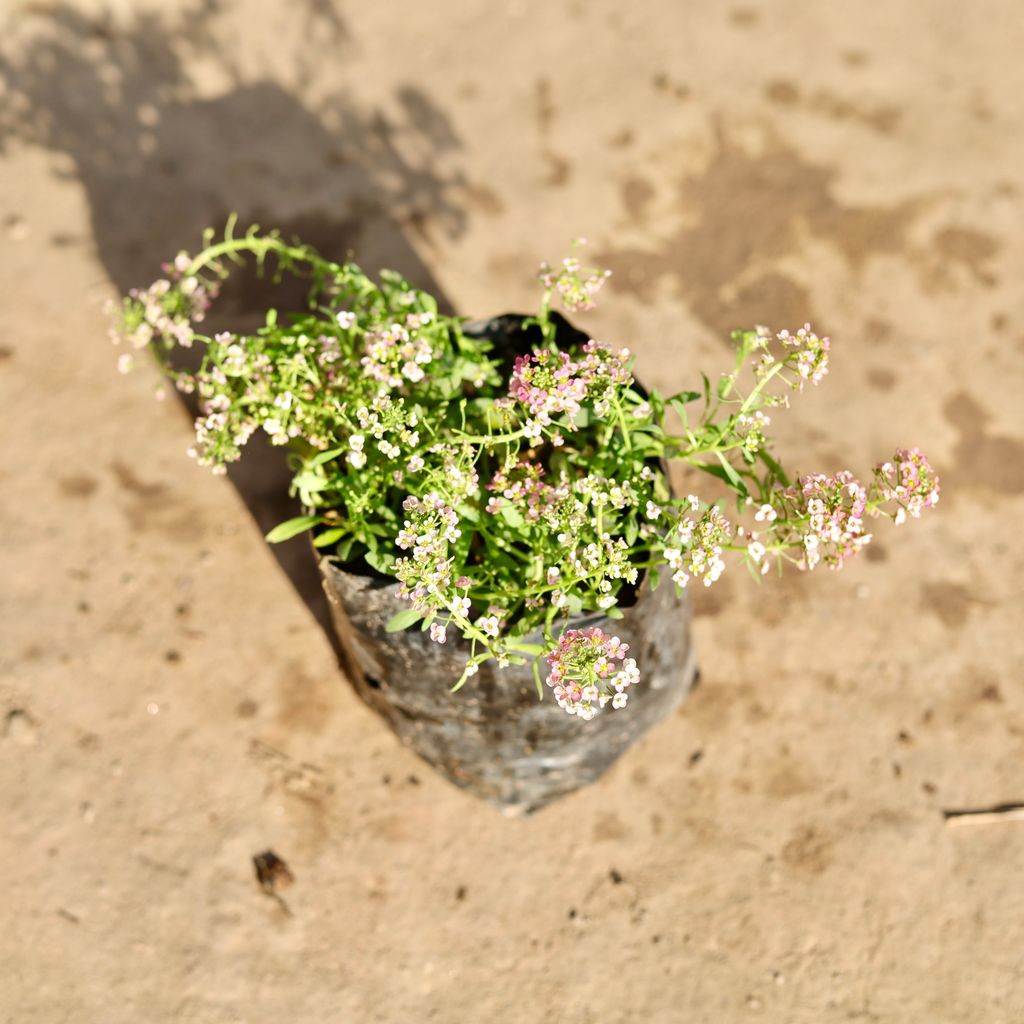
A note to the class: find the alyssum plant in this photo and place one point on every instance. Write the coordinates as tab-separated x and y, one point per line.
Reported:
506	496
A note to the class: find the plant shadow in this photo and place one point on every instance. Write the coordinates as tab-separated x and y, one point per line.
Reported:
169	131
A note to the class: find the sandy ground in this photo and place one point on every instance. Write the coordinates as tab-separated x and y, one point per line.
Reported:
169	704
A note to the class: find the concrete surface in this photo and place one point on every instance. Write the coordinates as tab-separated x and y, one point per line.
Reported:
170	705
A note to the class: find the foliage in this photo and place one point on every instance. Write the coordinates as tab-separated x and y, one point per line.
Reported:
505	497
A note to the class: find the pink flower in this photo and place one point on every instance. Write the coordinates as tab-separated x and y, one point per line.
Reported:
910	481
580	671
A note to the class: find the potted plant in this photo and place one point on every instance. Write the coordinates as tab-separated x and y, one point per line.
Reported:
506	561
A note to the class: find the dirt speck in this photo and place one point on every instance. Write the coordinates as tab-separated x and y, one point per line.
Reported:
990	692
636	198
744	17
789	779
543	105
876	552
559	170
20	727
968	248
609	826
783	92
881	377
808	849
304	702
949	602
77	485
135	486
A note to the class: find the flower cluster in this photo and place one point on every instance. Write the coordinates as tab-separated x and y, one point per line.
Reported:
522	487
505	505
551	383
166	310
695	543
546	382
589	668
396	352
803	352
574	285
909	480
426	576
828	512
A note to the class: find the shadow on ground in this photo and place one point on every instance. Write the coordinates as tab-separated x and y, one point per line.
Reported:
161	156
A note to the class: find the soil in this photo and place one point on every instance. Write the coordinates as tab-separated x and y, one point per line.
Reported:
170	703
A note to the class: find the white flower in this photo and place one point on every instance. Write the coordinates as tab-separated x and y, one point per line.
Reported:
552	575
357	459
346	319
356	442
413	372
438	633
488	624
619	700
756	550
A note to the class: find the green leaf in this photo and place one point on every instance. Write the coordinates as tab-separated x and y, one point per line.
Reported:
310	483
403	620
683	398
381	562
613	612
727	473
631	530
730	473
291	528
512	516
329	537
647	443
777	471
319	460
